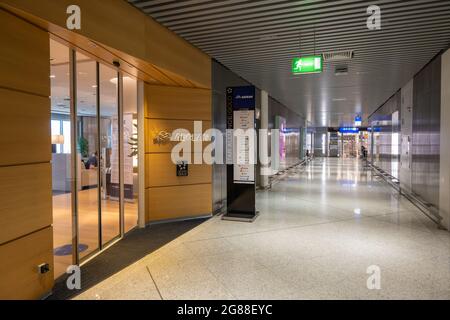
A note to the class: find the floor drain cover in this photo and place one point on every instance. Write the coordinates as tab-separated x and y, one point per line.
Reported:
66	250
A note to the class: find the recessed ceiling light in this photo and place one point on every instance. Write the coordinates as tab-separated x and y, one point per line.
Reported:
94	86
114	80
339	99
52	76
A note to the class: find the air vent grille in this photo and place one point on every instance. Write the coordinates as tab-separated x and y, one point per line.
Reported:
337	56
341	70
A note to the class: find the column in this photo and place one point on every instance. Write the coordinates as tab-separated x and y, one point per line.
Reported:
265	167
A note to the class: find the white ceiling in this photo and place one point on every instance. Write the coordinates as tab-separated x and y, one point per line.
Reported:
258	39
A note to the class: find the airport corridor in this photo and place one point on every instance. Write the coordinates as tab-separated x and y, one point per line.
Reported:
322	227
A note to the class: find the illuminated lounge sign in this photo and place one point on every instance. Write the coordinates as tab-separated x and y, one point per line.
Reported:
307	64
348	130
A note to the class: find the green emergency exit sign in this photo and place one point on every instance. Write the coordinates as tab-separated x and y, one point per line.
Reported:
307	64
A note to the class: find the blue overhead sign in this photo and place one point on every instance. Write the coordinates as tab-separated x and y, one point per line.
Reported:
375	129
348	130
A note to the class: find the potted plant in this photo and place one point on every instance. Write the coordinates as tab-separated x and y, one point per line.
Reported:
83	147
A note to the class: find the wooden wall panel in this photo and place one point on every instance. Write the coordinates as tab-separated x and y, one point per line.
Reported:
169	196
179	202
177	55
122	28
26	200
116	24
161	171
19	277
25	172
24	127
155	126
24	62
178	103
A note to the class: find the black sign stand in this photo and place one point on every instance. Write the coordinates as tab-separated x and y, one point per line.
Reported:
240	195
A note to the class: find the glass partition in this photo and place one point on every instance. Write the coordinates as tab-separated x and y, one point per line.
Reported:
130	164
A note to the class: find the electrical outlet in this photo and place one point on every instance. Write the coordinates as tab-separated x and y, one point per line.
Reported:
43	268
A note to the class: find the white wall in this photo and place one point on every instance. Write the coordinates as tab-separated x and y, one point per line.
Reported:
444	184
406	135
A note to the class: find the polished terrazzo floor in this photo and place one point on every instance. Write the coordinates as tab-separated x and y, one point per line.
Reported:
319	229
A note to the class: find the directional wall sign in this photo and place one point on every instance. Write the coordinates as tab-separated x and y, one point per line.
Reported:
307	64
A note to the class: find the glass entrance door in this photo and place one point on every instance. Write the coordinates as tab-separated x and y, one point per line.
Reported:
95	183
62	175
87	137
109	153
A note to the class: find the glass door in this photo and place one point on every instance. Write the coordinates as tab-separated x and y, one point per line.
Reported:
94	155
109	154
87	166
62	177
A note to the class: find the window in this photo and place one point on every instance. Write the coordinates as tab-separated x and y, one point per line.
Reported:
66	133
56	131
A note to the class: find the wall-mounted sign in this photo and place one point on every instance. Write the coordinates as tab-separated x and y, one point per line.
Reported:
162	137
358	121
307	64
348	130
182	169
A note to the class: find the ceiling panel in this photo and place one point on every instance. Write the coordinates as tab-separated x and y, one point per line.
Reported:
258	39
